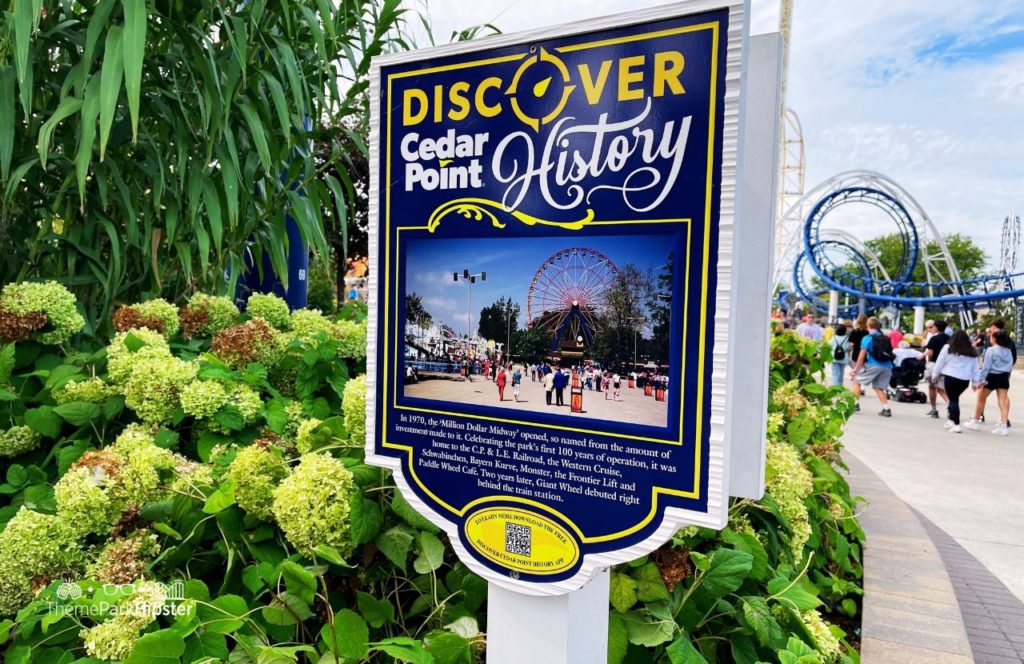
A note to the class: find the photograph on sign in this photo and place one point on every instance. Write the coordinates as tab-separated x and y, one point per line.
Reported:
551	227
577	305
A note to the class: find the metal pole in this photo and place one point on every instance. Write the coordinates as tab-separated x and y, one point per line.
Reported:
508	333
833	307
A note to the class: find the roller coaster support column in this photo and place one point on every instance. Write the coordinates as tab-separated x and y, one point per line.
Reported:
919	320
862	307
833	307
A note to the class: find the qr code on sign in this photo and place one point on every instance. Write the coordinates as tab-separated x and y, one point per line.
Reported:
518	539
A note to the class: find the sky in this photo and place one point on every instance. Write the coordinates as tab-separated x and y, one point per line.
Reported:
930	93
510	264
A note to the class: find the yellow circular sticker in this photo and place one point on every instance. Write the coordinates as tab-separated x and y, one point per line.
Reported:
521	541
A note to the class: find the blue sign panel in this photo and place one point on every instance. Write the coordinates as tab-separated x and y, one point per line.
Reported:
550	214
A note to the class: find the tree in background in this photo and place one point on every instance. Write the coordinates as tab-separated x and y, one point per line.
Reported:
659	305
623	314
499	321
970	259
532	344
415	313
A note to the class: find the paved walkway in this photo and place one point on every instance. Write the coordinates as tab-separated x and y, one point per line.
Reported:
633	406
946	513
971	485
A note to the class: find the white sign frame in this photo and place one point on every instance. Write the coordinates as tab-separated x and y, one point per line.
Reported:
727	331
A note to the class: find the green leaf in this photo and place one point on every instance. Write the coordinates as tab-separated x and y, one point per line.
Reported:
378	612
68	107
431	553
757	614
645	629
365	519
165	645
748	543
224	614
395	545
111	74
351	635
221	499
78	413
727	571
401	507
44	421
650	584
792	594
6	362
681	651
299	581
7	121
411	653
230	418
5	630
208	645
618	639
622	593
449	648
26	18
286	609
259	138
330	554
17	475
135	19
90	112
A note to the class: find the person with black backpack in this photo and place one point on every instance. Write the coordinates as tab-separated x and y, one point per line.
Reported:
874	365
840	344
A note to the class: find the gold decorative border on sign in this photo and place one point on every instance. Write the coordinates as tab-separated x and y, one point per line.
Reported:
477	208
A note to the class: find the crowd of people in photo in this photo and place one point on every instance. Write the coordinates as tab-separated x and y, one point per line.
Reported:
950	360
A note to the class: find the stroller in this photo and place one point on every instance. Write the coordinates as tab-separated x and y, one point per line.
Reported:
903	384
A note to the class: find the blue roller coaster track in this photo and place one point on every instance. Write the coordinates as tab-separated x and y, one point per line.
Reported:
834	260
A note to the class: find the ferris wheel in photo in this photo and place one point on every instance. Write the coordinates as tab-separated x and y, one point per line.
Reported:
567	294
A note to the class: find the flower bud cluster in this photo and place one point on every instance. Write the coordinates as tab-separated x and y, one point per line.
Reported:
256	472
153	388
33	545
50	299
790	483
117	637
18	440
353	405
312	505
91	390
206	315
132	347
270	308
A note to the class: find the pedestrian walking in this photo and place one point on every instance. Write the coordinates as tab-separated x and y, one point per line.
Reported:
560	380
995	374
617	385
517	379
549	385
856	338
958	366
937	340
997	325
840	344
874	365
500	381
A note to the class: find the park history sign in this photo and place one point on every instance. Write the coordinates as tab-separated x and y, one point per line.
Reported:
551	168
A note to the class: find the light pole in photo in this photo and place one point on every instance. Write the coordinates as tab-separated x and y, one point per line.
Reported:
470	279
636	321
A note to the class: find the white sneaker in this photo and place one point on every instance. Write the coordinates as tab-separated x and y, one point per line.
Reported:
955	429
972	424
1001	430
948	424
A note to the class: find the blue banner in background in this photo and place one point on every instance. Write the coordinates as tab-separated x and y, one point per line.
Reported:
555	169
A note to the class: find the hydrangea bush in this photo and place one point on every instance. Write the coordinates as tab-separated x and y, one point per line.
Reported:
205	483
